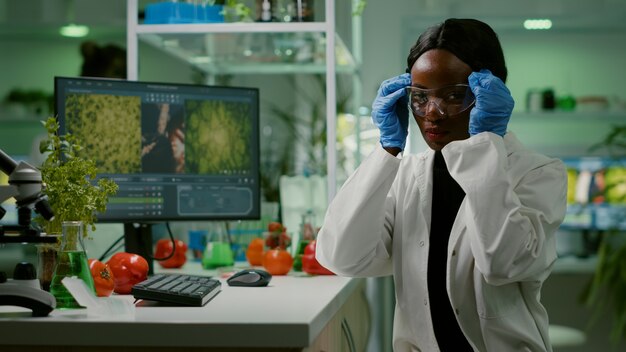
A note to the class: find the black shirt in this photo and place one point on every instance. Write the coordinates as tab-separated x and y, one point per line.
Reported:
447	198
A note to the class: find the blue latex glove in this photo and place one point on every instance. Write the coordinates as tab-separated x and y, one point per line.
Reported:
494	104
390	111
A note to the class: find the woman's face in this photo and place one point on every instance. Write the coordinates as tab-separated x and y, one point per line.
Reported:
435	69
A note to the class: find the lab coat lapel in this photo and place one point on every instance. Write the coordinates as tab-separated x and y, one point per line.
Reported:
425	184
413	263
415	219
412	242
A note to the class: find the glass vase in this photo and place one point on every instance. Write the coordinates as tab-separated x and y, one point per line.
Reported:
71	261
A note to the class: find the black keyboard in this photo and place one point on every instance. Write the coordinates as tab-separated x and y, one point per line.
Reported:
189	290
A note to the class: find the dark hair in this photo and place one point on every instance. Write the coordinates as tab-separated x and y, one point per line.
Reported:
472	41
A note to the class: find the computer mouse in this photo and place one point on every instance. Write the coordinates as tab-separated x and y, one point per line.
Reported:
250	278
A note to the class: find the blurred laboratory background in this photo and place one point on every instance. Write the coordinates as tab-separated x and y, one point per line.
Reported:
566	62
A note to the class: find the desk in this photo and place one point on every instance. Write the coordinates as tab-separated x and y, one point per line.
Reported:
320	313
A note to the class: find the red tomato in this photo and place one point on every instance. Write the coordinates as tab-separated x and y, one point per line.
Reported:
164	248
254	253
310	265
277	261
128	269
103	278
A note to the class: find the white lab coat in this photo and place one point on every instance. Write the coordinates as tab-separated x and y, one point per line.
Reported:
501	246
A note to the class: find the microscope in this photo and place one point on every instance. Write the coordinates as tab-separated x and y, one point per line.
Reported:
25	185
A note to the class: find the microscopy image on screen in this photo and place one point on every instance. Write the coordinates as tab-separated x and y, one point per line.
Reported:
217	137
108	128
162	138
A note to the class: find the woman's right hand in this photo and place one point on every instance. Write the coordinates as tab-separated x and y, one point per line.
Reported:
390	111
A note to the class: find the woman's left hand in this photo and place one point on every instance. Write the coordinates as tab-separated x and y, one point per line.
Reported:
494	104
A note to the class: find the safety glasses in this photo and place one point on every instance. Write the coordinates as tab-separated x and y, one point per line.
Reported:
447	101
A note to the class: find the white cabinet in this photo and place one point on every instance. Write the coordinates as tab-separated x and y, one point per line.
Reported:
216	48
348	329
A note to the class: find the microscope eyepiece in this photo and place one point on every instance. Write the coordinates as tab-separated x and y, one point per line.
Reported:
7	164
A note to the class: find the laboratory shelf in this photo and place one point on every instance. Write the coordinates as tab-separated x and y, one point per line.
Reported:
242	48
595	217
565	134
235	27
261	52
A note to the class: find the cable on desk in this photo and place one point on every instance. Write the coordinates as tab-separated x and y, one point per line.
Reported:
115	247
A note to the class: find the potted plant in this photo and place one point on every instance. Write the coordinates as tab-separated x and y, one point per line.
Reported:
72	194
236	11
607	289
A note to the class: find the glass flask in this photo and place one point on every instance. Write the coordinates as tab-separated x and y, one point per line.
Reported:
218	252
307	234
71	261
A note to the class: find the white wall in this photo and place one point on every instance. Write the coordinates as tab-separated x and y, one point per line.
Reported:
32	64
571	62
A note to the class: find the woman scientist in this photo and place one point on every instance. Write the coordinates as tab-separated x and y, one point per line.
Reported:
466	227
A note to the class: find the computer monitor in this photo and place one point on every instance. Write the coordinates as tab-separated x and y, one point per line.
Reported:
177	151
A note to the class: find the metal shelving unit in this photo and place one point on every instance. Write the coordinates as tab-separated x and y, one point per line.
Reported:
196	44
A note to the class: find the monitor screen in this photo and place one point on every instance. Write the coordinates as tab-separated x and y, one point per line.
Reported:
176	151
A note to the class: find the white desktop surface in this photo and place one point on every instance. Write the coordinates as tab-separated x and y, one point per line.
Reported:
290	312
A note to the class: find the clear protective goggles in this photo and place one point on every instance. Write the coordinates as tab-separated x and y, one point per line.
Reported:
448	101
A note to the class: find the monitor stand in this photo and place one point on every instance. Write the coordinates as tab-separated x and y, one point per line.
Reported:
138	240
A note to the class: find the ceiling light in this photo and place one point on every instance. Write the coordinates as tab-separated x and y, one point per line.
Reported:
532	24
74	31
